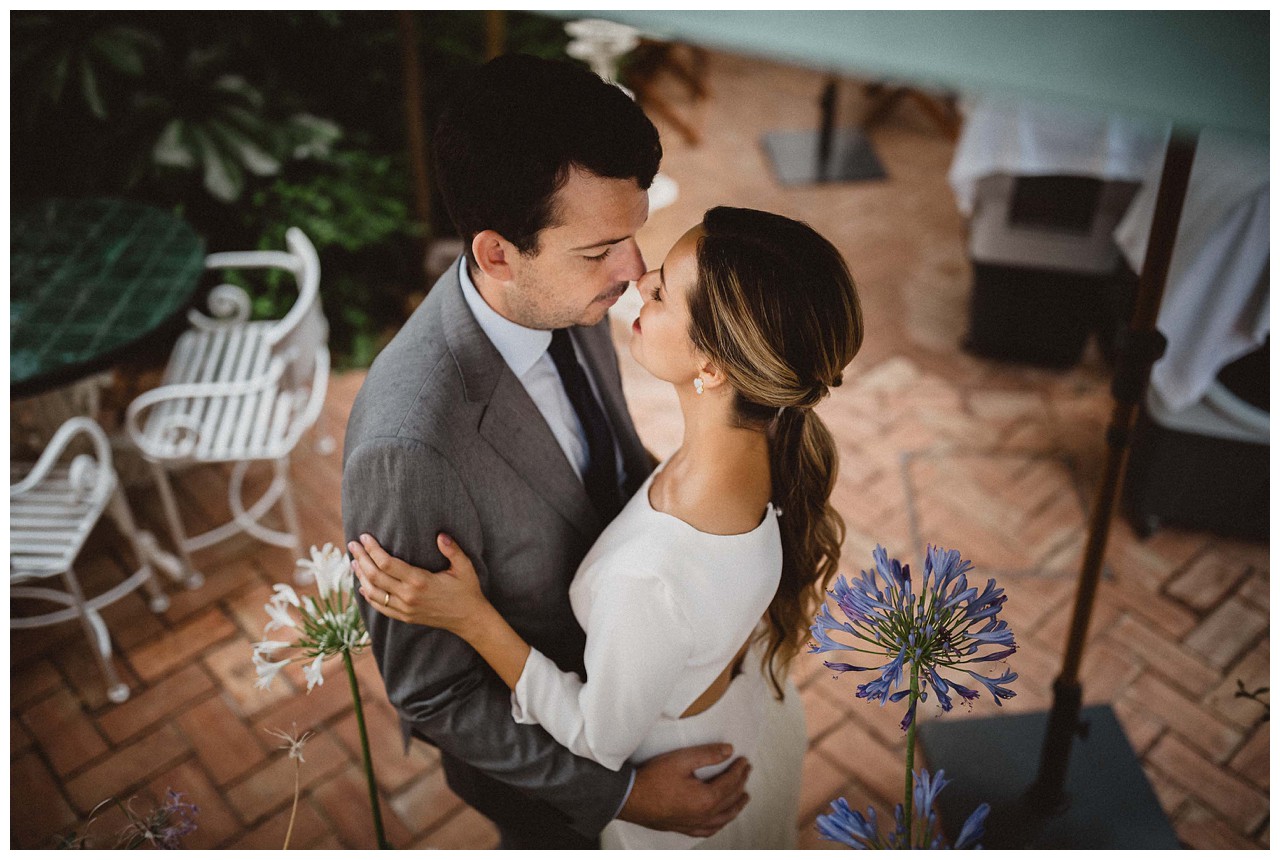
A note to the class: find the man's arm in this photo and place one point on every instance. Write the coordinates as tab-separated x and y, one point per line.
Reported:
667	796
404	493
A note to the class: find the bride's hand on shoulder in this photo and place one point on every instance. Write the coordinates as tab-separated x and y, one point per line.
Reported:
451	599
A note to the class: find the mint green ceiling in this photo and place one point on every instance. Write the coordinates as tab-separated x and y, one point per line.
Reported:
1195	68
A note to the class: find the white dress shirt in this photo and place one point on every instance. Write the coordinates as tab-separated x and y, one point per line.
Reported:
525	352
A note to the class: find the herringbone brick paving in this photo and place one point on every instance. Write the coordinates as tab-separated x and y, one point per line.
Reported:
936	445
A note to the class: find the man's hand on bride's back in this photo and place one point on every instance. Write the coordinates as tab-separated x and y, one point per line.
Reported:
450	599
667	795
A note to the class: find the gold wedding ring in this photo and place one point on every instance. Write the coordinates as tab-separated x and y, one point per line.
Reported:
386	601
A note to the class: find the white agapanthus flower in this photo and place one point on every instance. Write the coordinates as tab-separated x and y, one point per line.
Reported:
280	618
267	670
284	594
313	672
325	627
330	569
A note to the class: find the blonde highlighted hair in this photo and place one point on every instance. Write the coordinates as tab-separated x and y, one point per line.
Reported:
776	309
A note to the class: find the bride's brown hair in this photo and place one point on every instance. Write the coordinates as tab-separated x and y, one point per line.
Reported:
776	310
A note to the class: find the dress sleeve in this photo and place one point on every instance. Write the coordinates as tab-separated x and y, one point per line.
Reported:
638	640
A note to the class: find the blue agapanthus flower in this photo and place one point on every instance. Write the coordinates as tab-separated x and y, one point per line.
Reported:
856	830
948	626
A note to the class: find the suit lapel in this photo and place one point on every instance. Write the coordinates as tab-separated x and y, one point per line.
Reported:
516	429
509	421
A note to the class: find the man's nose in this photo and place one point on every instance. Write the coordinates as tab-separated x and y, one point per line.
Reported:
632	260
640	284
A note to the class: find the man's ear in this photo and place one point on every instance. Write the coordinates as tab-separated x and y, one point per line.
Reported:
493	254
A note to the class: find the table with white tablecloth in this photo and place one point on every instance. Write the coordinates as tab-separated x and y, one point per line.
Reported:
1216	304
1030	139
1043	188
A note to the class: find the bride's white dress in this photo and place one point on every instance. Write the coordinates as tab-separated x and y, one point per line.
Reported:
666	608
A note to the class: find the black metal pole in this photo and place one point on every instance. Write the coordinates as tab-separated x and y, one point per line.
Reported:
1143	347
827	127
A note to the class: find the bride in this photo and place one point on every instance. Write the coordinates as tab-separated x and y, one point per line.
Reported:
696	598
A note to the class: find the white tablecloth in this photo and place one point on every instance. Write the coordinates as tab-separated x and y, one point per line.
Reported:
1216	304
1217	298
1027	139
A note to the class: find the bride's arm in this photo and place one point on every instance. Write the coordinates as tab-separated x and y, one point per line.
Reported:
450	600
639	644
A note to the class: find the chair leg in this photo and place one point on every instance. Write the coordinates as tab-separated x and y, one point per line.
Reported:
147	551
169	563
171	513
99	639
291	515
323	442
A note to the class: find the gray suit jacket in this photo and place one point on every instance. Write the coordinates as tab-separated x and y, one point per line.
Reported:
443	437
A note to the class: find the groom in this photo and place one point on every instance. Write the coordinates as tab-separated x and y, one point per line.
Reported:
497	416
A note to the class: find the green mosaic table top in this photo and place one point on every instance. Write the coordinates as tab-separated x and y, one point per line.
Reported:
88	280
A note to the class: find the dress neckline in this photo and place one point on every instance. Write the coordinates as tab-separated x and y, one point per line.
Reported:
643	492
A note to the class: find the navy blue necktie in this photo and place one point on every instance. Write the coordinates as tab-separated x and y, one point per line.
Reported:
601	476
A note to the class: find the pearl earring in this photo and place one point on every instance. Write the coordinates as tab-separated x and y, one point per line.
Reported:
698	386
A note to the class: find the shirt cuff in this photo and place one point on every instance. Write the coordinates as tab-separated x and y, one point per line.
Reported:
626	795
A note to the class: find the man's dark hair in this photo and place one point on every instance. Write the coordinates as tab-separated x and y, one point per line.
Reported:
510	133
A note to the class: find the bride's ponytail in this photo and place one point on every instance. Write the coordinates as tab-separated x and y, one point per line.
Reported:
804	464
776	309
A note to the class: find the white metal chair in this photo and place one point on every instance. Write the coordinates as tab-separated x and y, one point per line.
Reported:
240	392
52	510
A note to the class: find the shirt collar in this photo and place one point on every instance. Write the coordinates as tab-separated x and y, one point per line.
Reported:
519	347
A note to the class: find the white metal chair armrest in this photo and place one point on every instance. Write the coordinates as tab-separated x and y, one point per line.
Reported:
301	260
228	305
319	386
183	425
307	271
306	418
88	474
253	260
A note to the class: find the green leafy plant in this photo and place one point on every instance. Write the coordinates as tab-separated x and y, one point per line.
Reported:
352	200
217	123
354	207
66	59
119	103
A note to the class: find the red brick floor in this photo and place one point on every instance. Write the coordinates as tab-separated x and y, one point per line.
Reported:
937	446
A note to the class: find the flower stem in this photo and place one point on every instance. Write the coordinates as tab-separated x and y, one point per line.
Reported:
911	753
297	789
364	748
